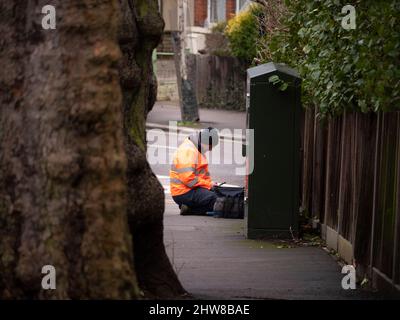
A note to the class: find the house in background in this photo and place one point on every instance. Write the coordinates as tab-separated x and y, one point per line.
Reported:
201	16
210	12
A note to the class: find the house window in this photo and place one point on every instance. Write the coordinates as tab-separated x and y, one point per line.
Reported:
240	4
217	10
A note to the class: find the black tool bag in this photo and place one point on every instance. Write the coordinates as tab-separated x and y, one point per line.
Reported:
230	202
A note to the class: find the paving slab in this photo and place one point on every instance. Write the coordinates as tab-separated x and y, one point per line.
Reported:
214	260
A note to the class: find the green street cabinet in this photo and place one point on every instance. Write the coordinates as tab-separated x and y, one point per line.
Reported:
273	151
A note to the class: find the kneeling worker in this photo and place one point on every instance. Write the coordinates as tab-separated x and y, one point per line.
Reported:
190	181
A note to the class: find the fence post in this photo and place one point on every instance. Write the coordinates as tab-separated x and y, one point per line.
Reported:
396	263
187	94
374	205
342	170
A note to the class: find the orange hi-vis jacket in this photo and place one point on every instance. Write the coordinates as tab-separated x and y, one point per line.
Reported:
189	169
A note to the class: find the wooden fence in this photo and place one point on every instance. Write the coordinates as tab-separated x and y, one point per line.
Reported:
351	183
219	81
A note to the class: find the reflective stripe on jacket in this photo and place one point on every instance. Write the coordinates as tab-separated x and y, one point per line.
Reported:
189	169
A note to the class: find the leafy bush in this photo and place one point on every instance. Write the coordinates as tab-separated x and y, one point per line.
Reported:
242	32
219	27
341	69
217	43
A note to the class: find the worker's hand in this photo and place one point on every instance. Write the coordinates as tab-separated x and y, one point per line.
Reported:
215	184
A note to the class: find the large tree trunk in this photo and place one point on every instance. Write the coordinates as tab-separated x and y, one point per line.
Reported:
141	31
63	163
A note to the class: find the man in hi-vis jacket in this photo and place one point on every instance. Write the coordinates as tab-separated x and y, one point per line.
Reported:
190	180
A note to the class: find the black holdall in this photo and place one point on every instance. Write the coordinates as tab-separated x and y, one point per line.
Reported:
230	202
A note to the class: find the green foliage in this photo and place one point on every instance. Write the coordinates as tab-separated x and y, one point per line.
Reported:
341	69
219	27
275	80
242	32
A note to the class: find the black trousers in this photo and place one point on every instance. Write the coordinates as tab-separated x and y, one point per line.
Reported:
199	200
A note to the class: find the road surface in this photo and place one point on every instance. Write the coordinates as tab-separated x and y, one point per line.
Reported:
226	163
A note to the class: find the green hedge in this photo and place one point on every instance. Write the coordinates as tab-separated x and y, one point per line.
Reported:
342	69
242	32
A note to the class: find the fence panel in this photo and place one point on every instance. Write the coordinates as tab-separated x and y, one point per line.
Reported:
351	181
332	182
307	156
386	194
319	169
366	135
220	82
346	194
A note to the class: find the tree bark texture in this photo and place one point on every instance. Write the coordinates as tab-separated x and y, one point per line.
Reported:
75	186
140	33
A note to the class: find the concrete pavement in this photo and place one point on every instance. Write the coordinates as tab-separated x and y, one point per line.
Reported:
214	260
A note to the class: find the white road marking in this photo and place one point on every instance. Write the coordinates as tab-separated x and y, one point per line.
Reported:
165	185
161	146
162	177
